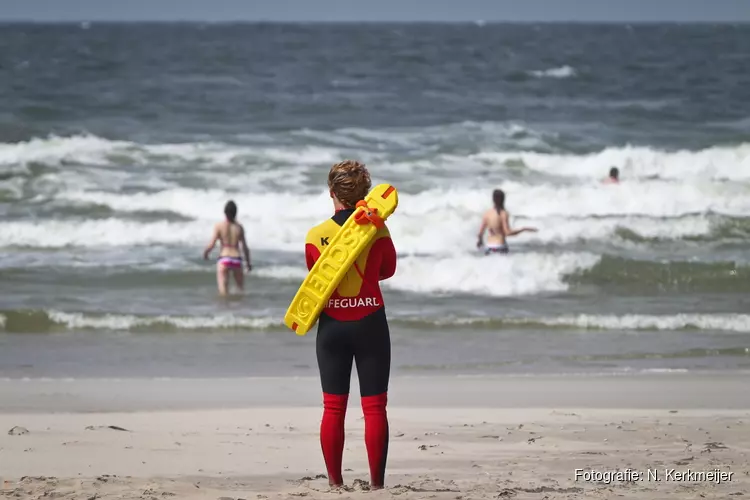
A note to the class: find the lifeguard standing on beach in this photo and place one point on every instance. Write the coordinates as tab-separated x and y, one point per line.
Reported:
353	328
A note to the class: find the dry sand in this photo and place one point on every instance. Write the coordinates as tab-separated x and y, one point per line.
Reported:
441	452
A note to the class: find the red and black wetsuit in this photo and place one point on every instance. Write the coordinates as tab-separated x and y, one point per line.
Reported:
353	327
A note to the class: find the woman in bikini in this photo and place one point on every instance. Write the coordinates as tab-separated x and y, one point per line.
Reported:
495	221
231	235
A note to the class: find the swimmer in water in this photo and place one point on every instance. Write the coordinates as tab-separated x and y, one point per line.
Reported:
353	328
231	235
614	176
496	221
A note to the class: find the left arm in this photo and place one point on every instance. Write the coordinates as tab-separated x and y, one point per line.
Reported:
312	252
388	258
212	244
512	232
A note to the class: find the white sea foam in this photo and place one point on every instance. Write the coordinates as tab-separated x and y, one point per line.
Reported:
503	276
718	162
434	222
635	162
128	322
435	234
726	322
680	321
559	72
58	150
653	199
438	221
646	198
719	322
93	150
94	233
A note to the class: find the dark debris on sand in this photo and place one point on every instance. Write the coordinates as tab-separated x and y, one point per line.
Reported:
111	427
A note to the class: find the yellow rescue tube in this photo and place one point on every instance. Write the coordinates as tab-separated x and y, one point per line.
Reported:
334	262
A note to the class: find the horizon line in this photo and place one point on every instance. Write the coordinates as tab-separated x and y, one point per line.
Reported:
351	21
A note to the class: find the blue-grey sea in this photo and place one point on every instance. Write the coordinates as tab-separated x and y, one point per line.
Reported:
120	144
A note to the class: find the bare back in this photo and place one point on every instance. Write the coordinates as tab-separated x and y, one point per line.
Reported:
229	234
496	224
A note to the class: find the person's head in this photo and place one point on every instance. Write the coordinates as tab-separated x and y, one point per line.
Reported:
230	210
614	173
498	198
349	182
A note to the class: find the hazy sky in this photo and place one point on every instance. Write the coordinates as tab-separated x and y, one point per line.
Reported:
376	10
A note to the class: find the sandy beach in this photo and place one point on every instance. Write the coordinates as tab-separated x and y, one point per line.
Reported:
491	448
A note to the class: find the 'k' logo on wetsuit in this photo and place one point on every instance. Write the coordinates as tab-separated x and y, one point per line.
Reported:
358	294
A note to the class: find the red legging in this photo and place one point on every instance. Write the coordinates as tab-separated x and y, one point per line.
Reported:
339	344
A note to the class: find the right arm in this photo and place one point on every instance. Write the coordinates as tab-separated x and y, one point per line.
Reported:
482	229
512	232
312	253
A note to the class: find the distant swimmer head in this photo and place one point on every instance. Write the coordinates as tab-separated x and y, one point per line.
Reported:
230	210
614	173
349	182
498	198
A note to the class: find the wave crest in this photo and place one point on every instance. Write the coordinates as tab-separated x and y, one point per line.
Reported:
35	321
559	72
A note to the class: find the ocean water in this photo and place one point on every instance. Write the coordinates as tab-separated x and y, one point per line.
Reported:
120	144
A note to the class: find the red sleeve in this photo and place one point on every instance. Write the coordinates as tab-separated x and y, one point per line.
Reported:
387	257
311	255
